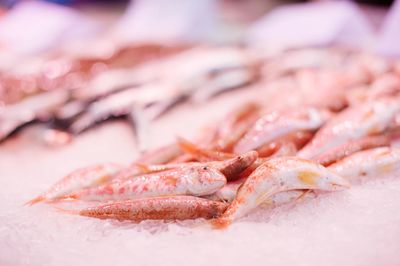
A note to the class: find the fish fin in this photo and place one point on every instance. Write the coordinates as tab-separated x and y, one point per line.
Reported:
202	154
35	200
143	167
266	203
220	223
189	147
70	197
263	197
73	212
302	196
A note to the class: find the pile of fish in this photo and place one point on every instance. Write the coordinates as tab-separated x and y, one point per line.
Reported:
330	121
140	84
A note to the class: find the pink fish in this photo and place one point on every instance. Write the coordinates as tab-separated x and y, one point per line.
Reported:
196	181
278	175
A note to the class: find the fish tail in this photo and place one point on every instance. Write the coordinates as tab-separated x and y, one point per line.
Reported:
36	200
66	211
201	153
189	147
70	197
220	223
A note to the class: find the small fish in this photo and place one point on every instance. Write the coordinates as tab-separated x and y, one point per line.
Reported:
372	163
37	108
158	208
116	105
370	118
195	181
275	125
351	147
278	175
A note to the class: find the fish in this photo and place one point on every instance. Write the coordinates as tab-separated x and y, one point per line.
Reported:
351	147
116	105
37	108
369	118
157	208
275	125
368	164
223	80
278	175
193	181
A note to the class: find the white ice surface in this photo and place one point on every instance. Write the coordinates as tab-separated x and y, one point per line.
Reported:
360	226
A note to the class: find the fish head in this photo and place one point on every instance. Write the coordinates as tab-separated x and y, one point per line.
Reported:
205	180
233	167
